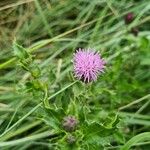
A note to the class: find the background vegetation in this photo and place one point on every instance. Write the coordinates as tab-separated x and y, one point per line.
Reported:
52	30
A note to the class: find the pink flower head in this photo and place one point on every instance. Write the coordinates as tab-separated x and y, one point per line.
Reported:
129	18
87	64
70	123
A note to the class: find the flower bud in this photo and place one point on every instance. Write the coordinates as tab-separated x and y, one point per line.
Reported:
134	31
70	123
70	139
129	18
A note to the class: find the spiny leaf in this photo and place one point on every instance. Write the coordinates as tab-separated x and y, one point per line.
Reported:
20	52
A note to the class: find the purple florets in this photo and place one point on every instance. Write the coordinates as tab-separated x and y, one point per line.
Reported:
70	123
87	64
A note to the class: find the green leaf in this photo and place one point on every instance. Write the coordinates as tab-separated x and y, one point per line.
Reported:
95	147
145	43
138	138
119	137
20	52
51	122
37	84
72	108
82	113
145	60
97	134
35	70
96	128
94	131
111	121
98	141
54	117
78	89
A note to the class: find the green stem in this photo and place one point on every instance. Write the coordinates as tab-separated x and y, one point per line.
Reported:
62	90
21	130
36	107
27	139
135	102
20	120
45	100
136	139
5	64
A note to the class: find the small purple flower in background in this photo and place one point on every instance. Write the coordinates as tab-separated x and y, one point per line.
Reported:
129	18
70	123
87	65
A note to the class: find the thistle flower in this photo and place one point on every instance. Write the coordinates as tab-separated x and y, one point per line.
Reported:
129	18
87	65
70	123
71	139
